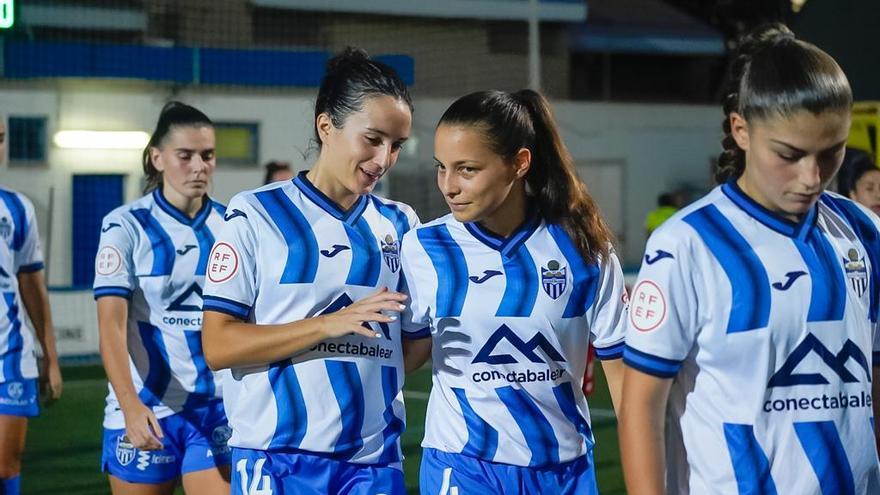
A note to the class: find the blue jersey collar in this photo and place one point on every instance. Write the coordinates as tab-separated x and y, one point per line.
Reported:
167	207
506	245
774	221
316	196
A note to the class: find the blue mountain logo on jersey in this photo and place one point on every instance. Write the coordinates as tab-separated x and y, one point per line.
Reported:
487	274
235	213
337	248
186	249
789	280
786	376
527	349
344	301
391	252
181	303
856	271
5	228
553	279
658	255
110	226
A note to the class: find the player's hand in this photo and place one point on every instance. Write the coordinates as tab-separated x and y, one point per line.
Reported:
141	426
352	319
50	383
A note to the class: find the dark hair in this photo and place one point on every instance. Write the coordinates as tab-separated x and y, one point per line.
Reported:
272	167
351	77
512	121
173	114
773	74
666	199
856	163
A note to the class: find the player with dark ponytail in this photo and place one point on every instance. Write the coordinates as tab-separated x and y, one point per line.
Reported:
517	282
754	319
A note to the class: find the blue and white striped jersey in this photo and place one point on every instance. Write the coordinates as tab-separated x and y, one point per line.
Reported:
154	255
511	320
19	252
286	253
768	328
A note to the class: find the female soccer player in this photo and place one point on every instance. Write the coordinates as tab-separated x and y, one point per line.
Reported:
515	283
164	418
314	397
21	281
749	342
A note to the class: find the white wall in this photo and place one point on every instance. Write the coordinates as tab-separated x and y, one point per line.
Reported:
662	146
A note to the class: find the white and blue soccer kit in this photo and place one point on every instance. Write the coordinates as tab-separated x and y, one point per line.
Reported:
767	327
287	253
155	256
19	253
511	321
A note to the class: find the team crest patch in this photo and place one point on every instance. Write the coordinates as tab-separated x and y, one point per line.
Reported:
553	279
856	271
125	451
391	253
15	390
5	228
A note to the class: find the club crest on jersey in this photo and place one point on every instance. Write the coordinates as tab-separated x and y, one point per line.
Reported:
5	228
553	279
15	390
856	271
125	451
391	253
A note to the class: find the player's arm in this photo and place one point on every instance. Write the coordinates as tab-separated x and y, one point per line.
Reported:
32	287
416	353
613	370
141	425
230	342
641	422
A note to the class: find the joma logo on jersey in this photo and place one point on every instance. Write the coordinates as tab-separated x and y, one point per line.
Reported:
391	253
553	279
527	349
194	291
786	377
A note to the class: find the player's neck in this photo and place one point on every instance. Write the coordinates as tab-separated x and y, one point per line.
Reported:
509	216
189	206
331	187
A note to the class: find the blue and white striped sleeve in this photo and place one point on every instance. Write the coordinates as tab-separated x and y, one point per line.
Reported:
608	315
662	323
415	320
230	277
29	258
114	263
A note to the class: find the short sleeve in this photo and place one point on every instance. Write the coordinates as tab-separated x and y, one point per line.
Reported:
29	258
417	280
231	274
114	263
608	315
662	325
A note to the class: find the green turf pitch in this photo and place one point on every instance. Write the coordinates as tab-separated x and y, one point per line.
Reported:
64	444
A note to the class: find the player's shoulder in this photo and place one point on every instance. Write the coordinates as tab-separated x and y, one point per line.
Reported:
16	197
833	203
386	204
414	235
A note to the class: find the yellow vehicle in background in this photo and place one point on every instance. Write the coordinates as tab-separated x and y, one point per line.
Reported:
865	122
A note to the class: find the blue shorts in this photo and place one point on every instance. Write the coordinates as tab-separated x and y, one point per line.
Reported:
195	439
302	473
442	473
19	398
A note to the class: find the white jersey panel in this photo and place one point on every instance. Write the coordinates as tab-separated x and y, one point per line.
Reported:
511	323
155	256
288	253
20	252
767	328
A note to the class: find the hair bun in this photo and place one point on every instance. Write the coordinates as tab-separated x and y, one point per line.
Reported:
349	56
